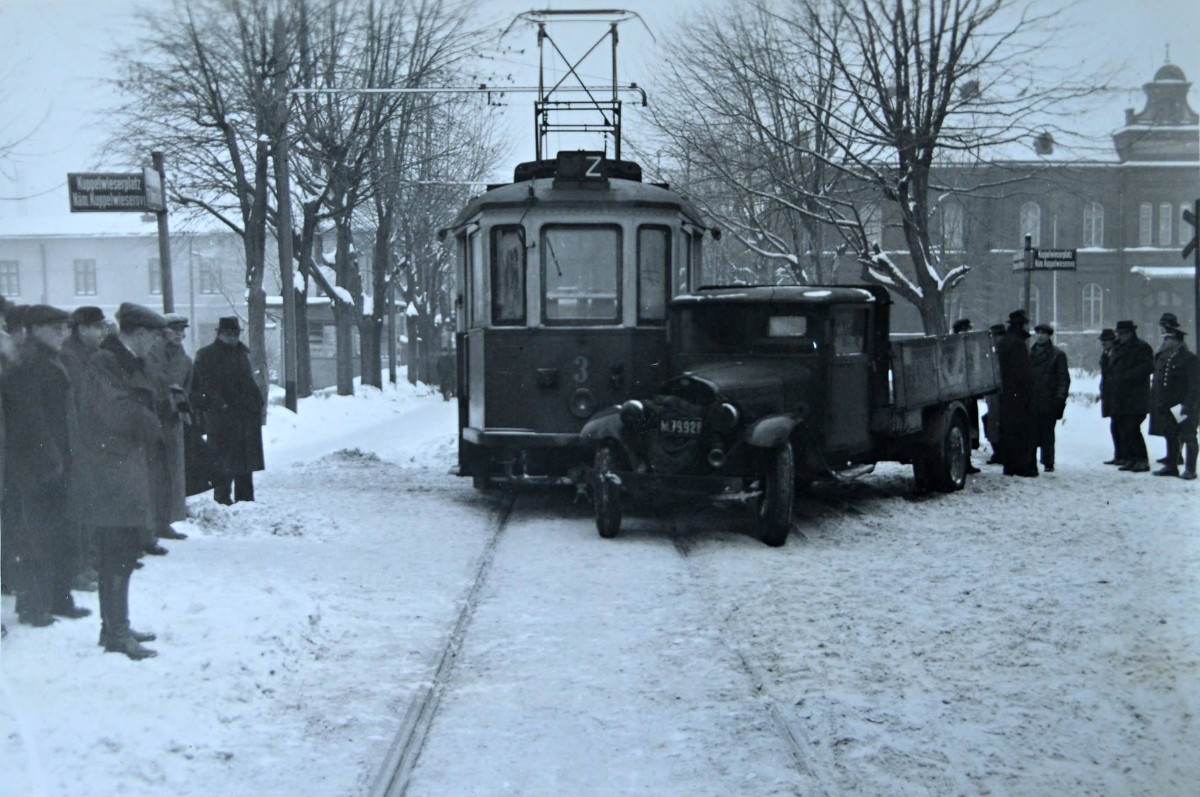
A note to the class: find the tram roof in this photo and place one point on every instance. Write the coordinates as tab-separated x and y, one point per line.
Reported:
782	294
619	192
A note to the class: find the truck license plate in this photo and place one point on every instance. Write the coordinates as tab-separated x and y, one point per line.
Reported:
687	427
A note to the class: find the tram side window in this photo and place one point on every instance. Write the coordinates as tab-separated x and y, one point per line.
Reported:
475	270
654	270
581	269
508	276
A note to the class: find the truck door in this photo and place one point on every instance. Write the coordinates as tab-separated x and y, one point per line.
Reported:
848	419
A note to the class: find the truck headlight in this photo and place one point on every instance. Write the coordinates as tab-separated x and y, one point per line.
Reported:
633	413
583	403
725	417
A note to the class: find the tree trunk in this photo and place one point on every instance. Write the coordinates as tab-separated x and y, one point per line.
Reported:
370	338
410	349
303	349
344	314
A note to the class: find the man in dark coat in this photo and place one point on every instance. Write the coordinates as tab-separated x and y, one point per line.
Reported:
41	437
991	419
1175	403
121	433
171	368
1108	338
1018	446
1130	365
14	326
1167	322
226	396
87	325
1051	385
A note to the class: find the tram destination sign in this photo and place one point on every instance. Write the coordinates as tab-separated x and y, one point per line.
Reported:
115	192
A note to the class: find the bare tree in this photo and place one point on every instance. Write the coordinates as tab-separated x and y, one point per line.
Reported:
889	92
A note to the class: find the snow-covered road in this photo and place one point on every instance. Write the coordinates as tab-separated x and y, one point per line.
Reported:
1021	637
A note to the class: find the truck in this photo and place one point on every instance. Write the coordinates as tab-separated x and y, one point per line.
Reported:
772	387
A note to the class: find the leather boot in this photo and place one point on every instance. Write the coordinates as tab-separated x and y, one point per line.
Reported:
119	638
1189	466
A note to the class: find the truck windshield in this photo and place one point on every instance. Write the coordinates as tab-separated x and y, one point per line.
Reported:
727	328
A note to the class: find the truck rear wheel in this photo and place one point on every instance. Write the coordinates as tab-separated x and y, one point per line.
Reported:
778	495
950	459
606	493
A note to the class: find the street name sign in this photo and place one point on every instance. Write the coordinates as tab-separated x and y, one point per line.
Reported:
114	192
1046	260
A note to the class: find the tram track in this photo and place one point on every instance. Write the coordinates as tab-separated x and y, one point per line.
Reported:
394	775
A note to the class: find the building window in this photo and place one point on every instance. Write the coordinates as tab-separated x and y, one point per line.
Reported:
10	278
154	272
1093	306
85	277
316	333
872	221
1031	222
209	277
952	226
1145	224
1165	217
1093	224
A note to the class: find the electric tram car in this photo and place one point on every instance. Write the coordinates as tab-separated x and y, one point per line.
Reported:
564	276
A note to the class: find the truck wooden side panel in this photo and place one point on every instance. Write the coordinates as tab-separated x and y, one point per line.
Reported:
935	370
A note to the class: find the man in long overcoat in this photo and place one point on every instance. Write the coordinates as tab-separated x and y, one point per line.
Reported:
1175	403
991	419
41	439
171	367
1018	446
226	396
87	325
1108	338
122	431
1130	365
1051	386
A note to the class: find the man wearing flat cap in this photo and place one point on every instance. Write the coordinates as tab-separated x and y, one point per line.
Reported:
1051	385
1175	403
225	394
1130	365
171	368
1018	446
1108	338
88	328
41	440
122	441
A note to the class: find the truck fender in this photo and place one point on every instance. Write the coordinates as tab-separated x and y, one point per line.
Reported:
771	431
938	419
604	425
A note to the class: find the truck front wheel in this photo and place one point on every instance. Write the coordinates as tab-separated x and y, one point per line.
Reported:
778	495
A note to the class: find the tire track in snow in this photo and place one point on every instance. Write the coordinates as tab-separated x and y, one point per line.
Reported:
818	772
395	774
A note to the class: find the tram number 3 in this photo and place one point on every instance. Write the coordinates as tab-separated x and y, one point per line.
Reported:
581	373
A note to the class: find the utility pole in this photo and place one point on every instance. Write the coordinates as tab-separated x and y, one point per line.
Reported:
164	239
283	228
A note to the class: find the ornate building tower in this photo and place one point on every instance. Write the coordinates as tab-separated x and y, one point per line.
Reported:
1167	129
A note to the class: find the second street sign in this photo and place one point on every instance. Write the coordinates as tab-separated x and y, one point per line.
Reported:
112	192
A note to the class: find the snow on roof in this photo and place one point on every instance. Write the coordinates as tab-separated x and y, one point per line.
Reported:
1164	272
93	225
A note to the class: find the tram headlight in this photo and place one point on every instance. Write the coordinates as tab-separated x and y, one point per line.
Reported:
583	403
725	417
633	413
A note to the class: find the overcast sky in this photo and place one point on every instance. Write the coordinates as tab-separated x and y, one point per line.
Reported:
54	55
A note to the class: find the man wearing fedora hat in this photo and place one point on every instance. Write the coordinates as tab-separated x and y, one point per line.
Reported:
226	396
171	368
1174	403
1051	386
1108	338
41	441
1130	366
1018	446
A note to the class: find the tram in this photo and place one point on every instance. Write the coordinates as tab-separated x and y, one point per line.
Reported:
564	276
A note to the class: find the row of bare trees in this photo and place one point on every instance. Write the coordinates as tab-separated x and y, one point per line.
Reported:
797	123
210	84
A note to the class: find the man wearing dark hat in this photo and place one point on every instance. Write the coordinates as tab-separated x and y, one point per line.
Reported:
225	394
87	325
1051	386
122	435
41	439
1018	446
171	368
1130	365
1167	323
991	419
961	325
1108	339
1174	403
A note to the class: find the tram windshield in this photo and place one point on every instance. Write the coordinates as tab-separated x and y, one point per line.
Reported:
726	328
581	269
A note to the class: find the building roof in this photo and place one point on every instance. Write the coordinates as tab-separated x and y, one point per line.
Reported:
101	225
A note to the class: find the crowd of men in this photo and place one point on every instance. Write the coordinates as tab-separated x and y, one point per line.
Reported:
1135	381
107	428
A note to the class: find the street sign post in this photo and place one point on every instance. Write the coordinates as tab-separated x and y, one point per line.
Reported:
1032	259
